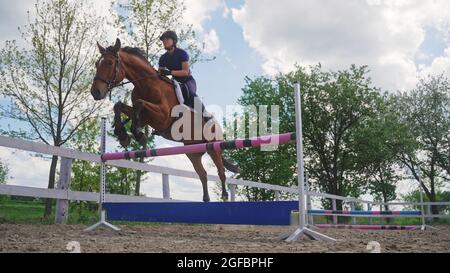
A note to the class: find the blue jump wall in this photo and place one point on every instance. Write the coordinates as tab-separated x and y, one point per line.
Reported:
234	213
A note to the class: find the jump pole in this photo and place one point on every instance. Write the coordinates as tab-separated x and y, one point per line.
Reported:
102	189
203	147
368	227
302	229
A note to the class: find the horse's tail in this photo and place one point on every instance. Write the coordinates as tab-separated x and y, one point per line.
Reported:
230	166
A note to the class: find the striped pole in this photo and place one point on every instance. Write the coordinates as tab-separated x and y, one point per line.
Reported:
362	212
368	227
204	147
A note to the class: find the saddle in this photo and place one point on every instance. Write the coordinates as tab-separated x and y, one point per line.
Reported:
184	97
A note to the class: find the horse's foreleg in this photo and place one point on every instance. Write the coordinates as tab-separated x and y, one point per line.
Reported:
119	126
138	106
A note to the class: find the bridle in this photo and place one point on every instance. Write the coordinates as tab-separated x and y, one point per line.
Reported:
112	83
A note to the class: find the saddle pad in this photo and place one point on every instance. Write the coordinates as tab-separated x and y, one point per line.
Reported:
178	92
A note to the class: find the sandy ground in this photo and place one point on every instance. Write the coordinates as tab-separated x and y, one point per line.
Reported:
208	239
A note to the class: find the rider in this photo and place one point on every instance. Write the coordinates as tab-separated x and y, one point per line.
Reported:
175	62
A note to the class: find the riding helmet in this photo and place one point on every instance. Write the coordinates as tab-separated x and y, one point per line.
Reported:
169	34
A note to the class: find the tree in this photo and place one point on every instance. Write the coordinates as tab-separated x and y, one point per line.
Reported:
85	175
336	105
335	108
142	22
4	170
48	81
414	197
378	142
274	167
425	114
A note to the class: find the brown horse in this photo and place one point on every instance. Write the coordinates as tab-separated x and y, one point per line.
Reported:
153	99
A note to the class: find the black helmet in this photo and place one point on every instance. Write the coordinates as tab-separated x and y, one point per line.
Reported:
169	34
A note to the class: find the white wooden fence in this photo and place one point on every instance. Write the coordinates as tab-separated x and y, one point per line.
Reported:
63	193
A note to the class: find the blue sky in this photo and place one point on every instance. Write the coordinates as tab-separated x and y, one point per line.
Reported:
220	81
400	41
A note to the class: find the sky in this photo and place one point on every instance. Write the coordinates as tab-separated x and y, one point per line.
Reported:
400	40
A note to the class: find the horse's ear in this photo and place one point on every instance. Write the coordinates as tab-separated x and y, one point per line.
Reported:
117	46
102	49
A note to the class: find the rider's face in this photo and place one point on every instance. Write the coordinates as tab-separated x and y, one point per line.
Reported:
168	43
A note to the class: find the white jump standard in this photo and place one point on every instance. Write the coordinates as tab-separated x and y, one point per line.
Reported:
102	222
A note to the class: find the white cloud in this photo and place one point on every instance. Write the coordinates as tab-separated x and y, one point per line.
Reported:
212	42
24	169
226	11
440	65
197	13
386	35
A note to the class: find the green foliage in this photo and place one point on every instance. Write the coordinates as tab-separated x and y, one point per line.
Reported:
275	167
424	114
336	107
47	80
441	196
4	170
378	142
145	20
85	175
28	210
21	211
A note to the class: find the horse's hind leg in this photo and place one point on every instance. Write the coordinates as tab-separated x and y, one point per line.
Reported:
196	160
216	156
119	126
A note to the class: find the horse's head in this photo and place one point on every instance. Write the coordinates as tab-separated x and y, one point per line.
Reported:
109	71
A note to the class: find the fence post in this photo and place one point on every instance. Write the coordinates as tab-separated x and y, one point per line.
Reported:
381	210
352	208
334	207
277	196
165	186
232	192
62	205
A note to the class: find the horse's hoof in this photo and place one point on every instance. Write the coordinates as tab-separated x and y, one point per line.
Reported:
225	196
125	142
206	199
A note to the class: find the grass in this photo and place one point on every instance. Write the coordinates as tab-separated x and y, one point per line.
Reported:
29	211
18	211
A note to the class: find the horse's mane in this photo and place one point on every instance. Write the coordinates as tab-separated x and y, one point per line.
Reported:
136	51
140	53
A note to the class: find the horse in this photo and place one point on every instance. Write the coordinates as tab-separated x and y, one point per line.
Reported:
153	99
